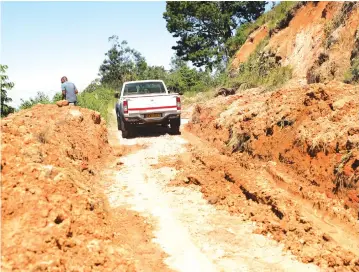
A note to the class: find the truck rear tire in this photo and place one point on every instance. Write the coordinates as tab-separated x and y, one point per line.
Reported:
118	123
175	126
127	130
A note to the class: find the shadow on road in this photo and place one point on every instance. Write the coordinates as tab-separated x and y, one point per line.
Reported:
151	131
154	131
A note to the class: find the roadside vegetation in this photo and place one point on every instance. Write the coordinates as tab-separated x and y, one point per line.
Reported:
6	86
352	75
261	69
275	19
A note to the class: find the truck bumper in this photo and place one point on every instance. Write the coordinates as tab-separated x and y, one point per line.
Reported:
141	120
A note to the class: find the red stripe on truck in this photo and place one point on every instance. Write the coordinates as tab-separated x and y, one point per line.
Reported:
154	108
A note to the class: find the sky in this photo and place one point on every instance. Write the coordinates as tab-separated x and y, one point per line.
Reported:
43	41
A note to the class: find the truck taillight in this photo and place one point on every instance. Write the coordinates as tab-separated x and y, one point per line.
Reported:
178	99
125	106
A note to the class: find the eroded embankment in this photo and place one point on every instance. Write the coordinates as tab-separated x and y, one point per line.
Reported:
287	159
54	214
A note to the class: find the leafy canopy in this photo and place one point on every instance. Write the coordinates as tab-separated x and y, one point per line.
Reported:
122	64
5	87
204	27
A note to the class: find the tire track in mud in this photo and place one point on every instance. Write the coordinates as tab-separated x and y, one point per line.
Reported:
195	235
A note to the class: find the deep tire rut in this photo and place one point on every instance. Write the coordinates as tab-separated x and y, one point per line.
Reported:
195	235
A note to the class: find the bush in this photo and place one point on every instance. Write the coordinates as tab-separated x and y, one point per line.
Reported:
99	99
261	69
352	75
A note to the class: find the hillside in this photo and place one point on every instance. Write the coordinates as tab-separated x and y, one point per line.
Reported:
289	151
318	40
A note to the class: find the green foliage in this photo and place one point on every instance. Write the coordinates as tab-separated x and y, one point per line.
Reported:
94	85
205	27
153	72
184	79
98	99
57	97
5	87
261	69
127	64
339	19
277	18
122	64
352	75
40	98
354	72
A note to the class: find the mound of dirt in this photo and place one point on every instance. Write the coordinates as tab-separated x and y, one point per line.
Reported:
293	154
53	216
312	130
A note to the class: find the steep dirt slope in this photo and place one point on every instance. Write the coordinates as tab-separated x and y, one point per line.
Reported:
54	214
317	42
294	151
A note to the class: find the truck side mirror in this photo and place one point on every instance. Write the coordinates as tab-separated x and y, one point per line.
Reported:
117	95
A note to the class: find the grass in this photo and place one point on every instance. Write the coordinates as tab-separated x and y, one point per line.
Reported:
100	99
42	136
239	142
352	75
261	69
337	21
190	98
275	19
341	181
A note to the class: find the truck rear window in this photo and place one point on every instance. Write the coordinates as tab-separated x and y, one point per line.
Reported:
143	88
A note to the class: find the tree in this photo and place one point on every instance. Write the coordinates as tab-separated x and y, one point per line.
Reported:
154	72
5	86
205	27
185	79
93	86
40	98
122	63
57	97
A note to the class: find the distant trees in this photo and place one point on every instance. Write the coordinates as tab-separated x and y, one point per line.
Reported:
123	63
6	86
40	97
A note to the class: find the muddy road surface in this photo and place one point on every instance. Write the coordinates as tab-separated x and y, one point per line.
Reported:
194	234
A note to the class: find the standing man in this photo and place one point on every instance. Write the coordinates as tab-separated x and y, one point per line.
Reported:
69	91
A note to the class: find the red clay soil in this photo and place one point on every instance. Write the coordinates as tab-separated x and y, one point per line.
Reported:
55	216
302	45
289	160
249	46
309	130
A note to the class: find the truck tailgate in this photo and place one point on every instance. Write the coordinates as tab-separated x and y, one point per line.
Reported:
151	103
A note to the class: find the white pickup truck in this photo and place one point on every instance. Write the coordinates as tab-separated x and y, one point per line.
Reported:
147	102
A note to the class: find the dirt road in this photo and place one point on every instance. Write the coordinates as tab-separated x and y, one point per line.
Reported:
195	235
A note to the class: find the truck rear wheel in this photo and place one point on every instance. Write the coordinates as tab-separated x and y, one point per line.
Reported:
127	130
118	122
175	126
